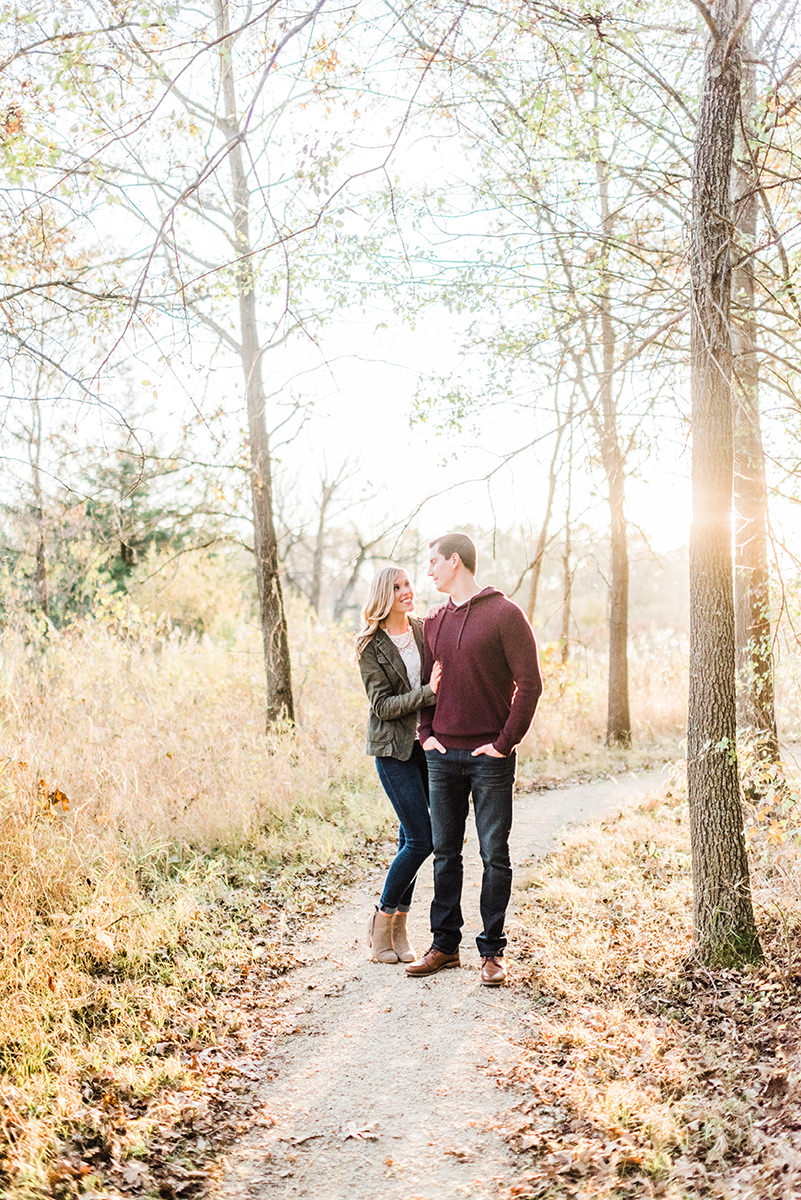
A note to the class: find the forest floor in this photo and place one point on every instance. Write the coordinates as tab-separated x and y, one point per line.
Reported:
612	1066
381	1086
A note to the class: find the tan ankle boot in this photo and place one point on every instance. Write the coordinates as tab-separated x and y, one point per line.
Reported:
400	940
379	938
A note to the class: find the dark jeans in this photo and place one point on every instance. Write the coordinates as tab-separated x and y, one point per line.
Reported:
406	784
453	777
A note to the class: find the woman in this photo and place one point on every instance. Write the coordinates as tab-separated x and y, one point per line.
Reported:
389	647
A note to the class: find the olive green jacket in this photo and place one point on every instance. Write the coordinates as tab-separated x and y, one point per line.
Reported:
394	705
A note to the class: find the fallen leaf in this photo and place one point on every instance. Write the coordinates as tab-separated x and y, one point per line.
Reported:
133	1173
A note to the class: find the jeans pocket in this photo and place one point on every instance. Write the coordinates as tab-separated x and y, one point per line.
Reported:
499	769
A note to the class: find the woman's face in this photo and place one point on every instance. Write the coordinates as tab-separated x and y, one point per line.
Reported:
404	595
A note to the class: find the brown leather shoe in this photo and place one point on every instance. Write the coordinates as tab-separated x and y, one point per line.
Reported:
493	971
432	961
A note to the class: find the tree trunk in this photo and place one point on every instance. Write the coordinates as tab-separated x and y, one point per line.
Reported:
723	914
567	594
542	539
344	598
280	704
40	569
318	553
618	720
755	693
567	570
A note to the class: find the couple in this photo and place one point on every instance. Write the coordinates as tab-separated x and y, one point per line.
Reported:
471	674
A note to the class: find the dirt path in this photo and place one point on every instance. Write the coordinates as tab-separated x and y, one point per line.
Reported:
383	1087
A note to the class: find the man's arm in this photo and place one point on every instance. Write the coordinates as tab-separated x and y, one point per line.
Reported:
520	648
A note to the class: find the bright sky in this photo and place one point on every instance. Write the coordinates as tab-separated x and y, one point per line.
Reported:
363	399
364	411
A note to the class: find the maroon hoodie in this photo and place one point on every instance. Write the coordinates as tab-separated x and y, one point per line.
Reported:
491	679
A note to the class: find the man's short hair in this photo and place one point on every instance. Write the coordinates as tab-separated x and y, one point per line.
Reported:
457	543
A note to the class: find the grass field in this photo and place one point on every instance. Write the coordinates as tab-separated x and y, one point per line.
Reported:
153	841
156	847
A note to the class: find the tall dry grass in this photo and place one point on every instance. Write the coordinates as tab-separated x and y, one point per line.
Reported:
152	837
162	738
150	834
569	730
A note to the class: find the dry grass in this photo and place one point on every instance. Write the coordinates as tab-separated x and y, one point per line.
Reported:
155	846
567	738
164	738
153	841
643	1074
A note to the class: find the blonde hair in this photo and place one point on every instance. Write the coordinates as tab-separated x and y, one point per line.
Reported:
376	609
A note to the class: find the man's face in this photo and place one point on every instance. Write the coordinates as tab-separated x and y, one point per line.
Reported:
442	570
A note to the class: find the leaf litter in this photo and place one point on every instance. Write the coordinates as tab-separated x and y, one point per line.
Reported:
642	1073
638	1072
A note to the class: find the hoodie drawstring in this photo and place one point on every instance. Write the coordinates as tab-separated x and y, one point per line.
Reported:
464	622
446	610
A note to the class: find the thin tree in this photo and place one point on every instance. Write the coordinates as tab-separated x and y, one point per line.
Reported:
280	703
568	570
722	909
35	456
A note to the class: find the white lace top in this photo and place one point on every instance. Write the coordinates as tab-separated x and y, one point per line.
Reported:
407	648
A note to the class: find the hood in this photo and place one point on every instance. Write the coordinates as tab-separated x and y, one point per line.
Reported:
461	612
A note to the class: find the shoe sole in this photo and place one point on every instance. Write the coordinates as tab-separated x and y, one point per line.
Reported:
493	982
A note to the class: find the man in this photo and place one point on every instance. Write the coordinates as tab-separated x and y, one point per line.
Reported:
487	696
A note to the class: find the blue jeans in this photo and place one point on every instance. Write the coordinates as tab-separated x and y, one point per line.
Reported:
453	777
406	784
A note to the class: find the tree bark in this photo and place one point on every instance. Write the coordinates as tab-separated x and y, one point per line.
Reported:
723	914
40	569
567	576
755	691
280	705
567	594
344	598
618	719
602	410
318	552
542	538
